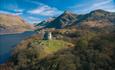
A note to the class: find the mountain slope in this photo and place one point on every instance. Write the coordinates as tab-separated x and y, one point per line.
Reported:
67	18
13	24
44	23
97	18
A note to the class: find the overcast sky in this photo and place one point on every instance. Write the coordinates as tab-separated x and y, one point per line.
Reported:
38	10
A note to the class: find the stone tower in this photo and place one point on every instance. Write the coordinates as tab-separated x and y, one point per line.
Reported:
48	36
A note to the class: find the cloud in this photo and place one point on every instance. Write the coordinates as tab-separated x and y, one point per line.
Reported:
35	19
107	3
102	3
34	2
99	4
6	12
45	10
32	19
18	10
11	6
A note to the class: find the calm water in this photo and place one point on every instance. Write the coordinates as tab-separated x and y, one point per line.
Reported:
9	41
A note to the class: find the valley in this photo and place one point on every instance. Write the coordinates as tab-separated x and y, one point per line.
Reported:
67	42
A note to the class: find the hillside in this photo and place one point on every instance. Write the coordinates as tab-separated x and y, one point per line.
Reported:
92	51
97	18
45	47
44	23
13	24
65	19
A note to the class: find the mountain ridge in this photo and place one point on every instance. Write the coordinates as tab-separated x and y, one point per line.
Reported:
97	18
10	24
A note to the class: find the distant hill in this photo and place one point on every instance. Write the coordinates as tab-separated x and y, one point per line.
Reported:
98	18
13	24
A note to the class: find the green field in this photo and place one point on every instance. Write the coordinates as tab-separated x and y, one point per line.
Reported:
50	46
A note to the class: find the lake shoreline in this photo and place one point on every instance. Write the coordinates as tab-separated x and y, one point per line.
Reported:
9	41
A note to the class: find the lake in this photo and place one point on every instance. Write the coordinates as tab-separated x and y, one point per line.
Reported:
9	41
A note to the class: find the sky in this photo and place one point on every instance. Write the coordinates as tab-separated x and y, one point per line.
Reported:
35	11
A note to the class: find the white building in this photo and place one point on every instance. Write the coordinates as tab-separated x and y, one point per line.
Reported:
47	35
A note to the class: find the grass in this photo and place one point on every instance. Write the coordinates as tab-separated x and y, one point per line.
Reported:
51	46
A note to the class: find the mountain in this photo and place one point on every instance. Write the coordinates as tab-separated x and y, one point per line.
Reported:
13	24
97	18
67	18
